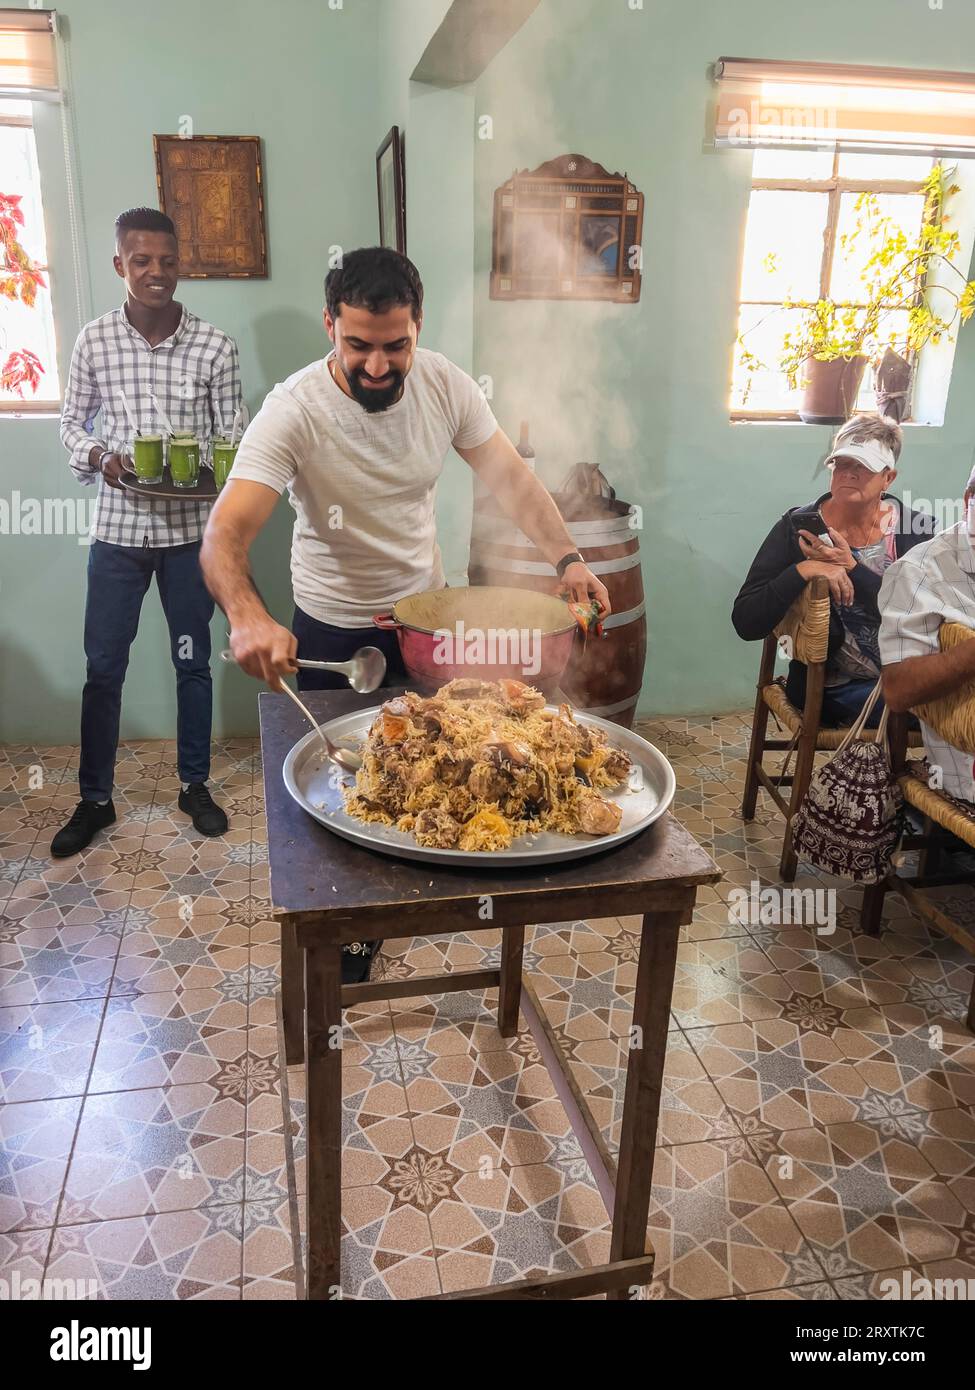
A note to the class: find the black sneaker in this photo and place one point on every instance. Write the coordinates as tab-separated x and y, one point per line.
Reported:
357	961
207	816
86	821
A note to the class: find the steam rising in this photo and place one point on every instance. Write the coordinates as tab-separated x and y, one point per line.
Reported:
541	354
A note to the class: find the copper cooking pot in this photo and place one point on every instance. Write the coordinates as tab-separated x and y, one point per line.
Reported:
486	632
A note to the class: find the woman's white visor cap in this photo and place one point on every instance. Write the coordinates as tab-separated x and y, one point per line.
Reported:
871	453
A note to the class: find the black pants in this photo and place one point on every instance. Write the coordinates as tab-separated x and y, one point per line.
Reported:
323	642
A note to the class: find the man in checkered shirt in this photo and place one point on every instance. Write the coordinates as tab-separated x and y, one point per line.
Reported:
152	348
934	583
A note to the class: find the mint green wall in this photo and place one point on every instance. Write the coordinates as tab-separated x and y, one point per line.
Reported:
439	125
302	76
643	390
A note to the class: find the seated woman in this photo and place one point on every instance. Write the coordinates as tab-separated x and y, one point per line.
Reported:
864	530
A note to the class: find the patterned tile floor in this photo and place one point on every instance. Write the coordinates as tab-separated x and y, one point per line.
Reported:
818	1125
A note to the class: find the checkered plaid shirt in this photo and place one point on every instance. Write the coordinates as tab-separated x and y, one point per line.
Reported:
195	377
932	584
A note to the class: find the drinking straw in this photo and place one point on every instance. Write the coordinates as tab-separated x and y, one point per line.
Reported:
234	427
128	412
167	424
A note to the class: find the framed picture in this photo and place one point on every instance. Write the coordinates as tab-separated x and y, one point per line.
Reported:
391	184
568	230
212	187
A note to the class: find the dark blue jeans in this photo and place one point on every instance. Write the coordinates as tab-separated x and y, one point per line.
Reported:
323	642
843	704
118	577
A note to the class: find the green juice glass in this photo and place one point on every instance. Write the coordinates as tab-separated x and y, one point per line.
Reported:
147	458
184	460
223	460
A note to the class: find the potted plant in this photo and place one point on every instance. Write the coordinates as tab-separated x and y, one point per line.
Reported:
19	279
826	357
829	351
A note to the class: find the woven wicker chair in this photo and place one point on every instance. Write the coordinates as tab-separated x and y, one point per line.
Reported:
953	719
806	625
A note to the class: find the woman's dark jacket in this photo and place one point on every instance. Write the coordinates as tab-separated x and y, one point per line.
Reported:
774	583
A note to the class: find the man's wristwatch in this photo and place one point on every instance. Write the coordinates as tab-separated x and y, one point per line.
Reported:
573	558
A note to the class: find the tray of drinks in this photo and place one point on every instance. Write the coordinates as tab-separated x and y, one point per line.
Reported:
203	490
174	469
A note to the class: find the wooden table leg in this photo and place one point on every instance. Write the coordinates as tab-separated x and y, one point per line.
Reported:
509	994
323	1123
644	1082
292	994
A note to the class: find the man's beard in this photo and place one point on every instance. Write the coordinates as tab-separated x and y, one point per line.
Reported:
369	397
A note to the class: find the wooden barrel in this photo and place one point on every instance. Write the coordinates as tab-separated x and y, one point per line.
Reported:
605	676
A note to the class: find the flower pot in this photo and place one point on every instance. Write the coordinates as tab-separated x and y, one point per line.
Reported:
831	389
894	385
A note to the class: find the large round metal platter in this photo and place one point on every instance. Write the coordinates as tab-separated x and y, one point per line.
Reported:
317	785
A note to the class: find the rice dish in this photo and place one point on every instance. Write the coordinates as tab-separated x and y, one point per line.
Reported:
480	763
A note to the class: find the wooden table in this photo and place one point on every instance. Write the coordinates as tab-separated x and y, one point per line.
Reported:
329	891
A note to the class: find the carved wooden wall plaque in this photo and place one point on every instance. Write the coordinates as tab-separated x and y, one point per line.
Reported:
213	188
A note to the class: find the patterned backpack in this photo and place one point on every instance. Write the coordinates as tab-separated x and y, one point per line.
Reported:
851	818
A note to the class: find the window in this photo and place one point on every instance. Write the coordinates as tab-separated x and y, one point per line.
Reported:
27	327
803	205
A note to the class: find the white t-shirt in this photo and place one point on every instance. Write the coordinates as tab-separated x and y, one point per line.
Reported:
933	583
363	486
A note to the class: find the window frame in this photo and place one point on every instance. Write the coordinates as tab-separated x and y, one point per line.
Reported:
14	406
835	187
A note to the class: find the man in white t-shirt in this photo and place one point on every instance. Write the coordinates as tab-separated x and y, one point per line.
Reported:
359	441
932	584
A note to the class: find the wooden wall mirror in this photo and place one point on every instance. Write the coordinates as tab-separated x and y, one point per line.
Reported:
568	230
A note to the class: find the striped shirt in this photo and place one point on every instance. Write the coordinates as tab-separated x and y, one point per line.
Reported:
932	584
195	377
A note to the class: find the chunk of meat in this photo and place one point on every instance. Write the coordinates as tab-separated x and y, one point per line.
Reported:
599	817
467	688
487	783
436	829
532	784
563	733
451	770
399	721
506	753
420	775
521	698
617	765
394	721
431	715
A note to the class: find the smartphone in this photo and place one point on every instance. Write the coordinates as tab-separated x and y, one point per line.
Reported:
809	519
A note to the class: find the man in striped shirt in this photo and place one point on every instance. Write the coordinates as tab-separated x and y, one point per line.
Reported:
156	358
933	584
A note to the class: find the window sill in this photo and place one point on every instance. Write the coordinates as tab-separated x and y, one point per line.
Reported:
794	420
50	411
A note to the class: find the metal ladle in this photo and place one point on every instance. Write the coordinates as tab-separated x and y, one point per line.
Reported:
364	671
342	757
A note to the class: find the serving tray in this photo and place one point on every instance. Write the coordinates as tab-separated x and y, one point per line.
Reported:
204	491
317	785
